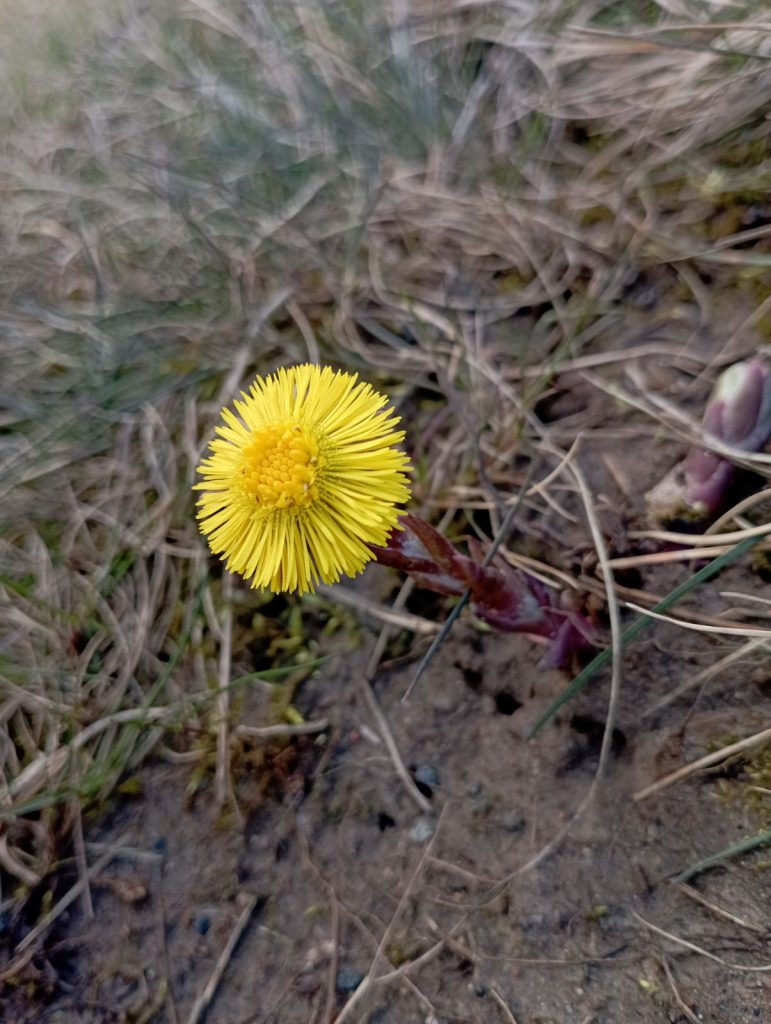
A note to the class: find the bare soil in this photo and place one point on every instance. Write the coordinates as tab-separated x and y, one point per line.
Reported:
326	843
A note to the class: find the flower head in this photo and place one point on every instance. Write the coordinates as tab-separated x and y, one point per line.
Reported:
302	477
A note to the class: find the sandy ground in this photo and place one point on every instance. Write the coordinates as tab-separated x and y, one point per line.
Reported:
329	870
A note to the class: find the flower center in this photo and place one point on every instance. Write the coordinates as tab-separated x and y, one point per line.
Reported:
281	462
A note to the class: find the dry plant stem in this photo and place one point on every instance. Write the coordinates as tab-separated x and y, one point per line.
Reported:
502	1003
222	706
334	904
739	595
498	540
392	616
664	557
616	669
704	676
608	358
364	686
32	937
337	905
762	969
334	960
171	1005
368	694
271	731
80	859
682	1006
709	540
698	897
371	977
698	627
646	600
739	509
45	768
708	761
626	595
296	313
383	636
201	1005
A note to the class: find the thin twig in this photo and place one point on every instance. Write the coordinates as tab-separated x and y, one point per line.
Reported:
708	761
682	1006
201	1005
762	969
265	732
717	668
616	673
222	705
32	937
665	557
695	540
364	686
171	1005
699	627
498	540
367	982
503	1005
393	616
80	859
368	694
698	897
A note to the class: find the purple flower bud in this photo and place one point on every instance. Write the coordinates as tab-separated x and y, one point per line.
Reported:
739	415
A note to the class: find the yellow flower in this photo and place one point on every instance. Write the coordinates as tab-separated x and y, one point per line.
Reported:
302	479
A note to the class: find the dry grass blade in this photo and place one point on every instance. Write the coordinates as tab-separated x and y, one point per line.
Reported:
480	206
248	903
392	616
264	732
616	669
372	976
698	897
583	677
698	627
685	944
686	1011
36	934
702	763
701	678
222	704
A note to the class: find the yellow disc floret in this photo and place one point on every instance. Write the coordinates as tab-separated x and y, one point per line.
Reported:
303	476
280	466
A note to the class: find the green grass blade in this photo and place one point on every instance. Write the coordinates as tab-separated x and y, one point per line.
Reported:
734	850
602	659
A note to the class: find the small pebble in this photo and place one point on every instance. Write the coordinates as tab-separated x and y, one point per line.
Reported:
202	924
422	830
348	980
427	774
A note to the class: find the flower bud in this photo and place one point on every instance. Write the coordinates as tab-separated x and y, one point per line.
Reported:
739	415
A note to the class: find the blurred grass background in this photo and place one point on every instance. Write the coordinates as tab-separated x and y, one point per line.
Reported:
457	199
